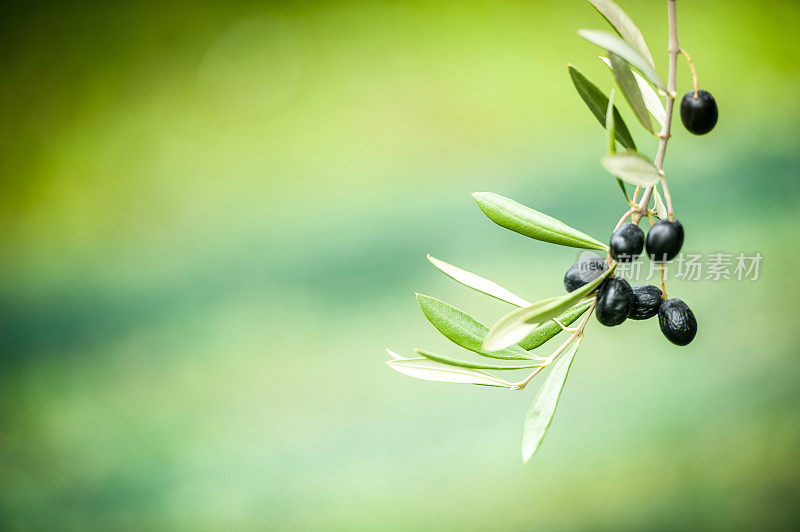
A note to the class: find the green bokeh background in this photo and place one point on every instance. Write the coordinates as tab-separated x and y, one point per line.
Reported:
215	215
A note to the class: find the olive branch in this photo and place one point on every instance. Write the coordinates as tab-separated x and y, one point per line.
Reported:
591	284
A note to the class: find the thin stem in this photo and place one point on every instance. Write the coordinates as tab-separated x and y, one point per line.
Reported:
674	49
564	327
522	384
667	197
691	67
622	219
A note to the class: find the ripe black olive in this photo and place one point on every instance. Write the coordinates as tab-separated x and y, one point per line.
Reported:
614	301
646	301
627	242
699	115
586	270
664	240
677	321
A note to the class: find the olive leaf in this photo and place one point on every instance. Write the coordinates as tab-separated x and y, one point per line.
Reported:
515	326
660	208
597	102
464	330
522	330
630	89
610	129
429	370
622	187
476	282
651	100
543	407
612	144
474	365
614	44
631	167
508	213
549	329
621	22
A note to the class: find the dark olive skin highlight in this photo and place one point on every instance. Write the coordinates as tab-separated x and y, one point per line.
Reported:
614	301
664	240
586	270
627	242
699	115
677	322
646	301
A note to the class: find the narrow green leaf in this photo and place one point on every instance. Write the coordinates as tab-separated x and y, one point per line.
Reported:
464	330
522	330
555	306
543	407
597	102
526	221
476	282
612	43
515	326
624	26
630	89
651	100
622	187
631	167
660	208
549	329
474	365
429	370
610	129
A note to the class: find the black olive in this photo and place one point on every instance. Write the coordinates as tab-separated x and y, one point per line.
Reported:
627	242
664	240
646	301
588	268
699	115
677	321
614	301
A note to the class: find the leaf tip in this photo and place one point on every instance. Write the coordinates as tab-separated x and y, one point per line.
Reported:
421	299
527	452
491	343
392	354
486	345
480	195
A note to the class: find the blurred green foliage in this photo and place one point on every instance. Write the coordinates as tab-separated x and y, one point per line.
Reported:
215	215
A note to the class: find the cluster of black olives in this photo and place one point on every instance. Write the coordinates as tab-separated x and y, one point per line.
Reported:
618	301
